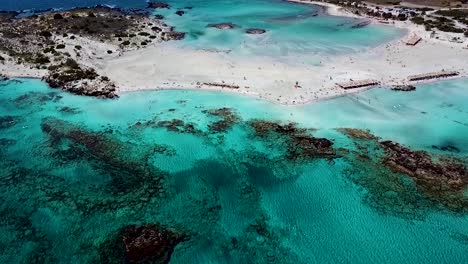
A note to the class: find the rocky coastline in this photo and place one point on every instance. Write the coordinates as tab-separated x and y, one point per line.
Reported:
52	42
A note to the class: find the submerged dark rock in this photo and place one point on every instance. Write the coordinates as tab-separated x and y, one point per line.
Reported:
357	133
149	243
8	121
298	143
158	5
404	88
420	166
255	31
126	164
173	35
223	26
449	148
442	181
69	110
38	98
174	125
180	12
361	24
6	142
228	119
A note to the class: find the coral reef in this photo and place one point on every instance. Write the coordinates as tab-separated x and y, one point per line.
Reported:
357	133
299	144
223	26
8	121
228	119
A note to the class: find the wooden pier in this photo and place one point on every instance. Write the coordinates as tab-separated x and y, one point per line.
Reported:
432	75
358	84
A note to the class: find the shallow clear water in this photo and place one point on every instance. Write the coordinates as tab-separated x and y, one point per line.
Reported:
293	30
64	194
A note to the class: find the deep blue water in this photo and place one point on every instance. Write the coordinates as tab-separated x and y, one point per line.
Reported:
13	5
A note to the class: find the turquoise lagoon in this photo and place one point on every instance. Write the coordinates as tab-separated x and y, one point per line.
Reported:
295	32
292	29
234	194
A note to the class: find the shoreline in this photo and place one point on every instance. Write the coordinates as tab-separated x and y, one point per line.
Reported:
157	67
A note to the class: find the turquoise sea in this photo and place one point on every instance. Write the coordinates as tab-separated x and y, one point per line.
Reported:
75	170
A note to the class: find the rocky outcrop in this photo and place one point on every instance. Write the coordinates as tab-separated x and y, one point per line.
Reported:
299	144
173	35
158	5
255	31
69	76
6	16
149	243
404	88
223	26
419	165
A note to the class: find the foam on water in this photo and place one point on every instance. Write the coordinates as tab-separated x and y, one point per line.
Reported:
236	195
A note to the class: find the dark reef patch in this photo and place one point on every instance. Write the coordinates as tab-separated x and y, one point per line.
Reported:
228	119
28	99
447	147
174	125
355	133
443	181
223	26
149	243
410	183
8	121
299	144
69	110
255	31
126	164
158	5
404	88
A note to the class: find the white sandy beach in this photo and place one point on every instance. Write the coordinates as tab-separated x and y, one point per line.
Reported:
165	66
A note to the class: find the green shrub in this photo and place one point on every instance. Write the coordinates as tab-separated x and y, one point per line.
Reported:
45	34
41	59
60	46
418	20
78	47
71	63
